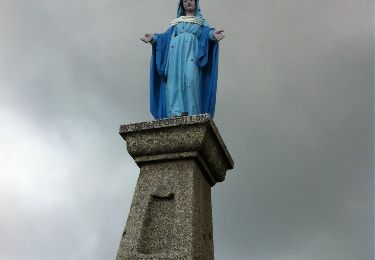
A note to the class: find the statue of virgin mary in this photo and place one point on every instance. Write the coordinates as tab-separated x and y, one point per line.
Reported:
184	65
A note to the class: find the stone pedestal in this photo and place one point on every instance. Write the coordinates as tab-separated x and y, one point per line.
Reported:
180	159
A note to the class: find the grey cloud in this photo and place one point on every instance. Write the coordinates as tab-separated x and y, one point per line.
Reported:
295	108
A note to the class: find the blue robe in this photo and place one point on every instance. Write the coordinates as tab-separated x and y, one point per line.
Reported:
167	80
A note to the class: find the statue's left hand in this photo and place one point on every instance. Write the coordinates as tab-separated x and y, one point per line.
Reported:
219	35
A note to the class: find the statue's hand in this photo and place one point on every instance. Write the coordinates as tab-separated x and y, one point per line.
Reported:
147	38
219	35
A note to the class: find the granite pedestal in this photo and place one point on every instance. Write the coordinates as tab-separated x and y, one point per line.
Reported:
180	159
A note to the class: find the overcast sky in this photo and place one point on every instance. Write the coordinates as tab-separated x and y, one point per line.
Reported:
294	107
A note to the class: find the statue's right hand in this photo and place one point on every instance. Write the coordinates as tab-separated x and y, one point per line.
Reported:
147	38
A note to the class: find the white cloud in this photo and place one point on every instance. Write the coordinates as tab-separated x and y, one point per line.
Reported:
56	196
33	165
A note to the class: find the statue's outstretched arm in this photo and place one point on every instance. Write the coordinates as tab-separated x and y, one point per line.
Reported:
147	38
219	35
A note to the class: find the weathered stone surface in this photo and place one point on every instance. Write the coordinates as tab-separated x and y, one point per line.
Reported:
176	138
179	159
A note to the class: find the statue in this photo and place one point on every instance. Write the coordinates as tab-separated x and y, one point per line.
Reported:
184	65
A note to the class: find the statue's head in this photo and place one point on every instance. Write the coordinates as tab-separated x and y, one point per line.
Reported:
194	5
188	5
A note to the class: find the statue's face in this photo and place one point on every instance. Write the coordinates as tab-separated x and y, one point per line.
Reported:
189	5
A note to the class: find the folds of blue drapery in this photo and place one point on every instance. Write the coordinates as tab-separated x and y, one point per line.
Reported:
207	58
